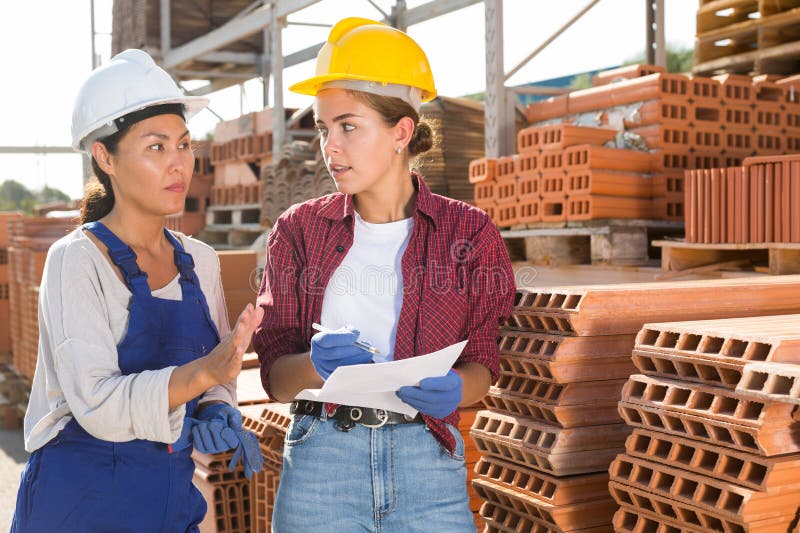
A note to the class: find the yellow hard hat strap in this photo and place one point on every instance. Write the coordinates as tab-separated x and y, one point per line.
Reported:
411	95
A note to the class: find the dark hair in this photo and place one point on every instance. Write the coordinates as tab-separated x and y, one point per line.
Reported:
98	195
392	110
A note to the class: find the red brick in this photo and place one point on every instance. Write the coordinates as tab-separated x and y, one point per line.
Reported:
736	89
485	191
482	169
553	208
550	108
552	184
529	185
527	164
551	160
607	182
627	72
506	189
506	213
706	137
529	209
767	91
707	113
659	111
667	134
591	207
738	115
599	157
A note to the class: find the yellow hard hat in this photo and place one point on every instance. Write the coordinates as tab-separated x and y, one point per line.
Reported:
365	50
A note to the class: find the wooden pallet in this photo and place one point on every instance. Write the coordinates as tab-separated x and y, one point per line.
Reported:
774	258
606	241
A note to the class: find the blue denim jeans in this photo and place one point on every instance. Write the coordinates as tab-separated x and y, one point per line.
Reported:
396	478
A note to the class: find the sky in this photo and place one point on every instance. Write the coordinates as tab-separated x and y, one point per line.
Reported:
46	55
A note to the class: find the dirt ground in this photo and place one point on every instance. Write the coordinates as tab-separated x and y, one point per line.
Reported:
12	460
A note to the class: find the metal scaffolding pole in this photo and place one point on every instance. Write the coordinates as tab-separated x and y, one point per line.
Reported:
495	101
276	69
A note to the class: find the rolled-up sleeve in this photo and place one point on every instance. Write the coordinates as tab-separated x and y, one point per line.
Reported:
279	331
491	298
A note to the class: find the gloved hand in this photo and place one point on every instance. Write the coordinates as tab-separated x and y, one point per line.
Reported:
436	397
332	349
216	428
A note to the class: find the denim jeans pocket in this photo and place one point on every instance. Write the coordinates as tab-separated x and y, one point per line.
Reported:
458	451
301	429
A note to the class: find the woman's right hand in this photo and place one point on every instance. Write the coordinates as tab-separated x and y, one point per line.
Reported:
224	362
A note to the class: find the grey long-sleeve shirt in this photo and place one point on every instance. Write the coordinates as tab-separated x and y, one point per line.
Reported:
83	315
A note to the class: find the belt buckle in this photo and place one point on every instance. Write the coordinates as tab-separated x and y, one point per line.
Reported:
382	415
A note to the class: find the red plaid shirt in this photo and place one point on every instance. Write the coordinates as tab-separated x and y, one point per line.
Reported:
457	282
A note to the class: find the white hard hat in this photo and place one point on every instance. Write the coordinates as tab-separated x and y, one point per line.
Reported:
129	82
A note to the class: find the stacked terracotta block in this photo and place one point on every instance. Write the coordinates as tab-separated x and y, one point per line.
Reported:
459	129
563	172
5	280
705	454
297	174
30	238
193	218
747	36
757	202
552	426
241	147
683	123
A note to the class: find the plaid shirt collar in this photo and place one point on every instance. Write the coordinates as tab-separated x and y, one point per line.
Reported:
340	206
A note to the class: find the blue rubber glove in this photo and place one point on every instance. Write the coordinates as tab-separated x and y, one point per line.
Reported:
216	428
436	397
333	349
250	452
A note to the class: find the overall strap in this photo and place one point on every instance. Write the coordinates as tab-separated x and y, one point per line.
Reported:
183	260
122	256
190	285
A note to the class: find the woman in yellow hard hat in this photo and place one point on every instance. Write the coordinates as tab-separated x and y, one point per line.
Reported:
137	364
391	271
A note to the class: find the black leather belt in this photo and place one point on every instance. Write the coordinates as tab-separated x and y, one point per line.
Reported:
347	417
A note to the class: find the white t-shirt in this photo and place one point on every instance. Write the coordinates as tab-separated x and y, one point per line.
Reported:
83	315
366	289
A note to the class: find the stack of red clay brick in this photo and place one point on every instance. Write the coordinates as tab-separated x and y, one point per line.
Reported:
5	280
679	123
553	427
30	238
758	202
193	217
716	447
240	149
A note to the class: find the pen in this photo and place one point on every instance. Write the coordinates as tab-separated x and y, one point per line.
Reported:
361	344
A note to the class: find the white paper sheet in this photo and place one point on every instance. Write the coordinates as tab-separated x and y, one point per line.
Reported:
374	385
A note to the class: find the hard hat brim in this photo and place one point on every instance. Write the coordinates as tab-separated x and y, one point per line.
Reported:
312	86
194	104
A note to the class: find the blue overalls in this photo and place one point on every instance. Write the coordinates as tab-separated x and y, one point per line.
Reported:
77	482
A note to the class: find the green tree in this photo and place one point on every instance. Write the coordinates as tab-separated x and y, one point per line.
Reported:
14	195
678	59
49	194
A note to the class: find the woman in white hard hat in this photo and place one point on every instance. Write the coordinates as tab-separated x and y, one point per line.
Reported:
385	261
137	363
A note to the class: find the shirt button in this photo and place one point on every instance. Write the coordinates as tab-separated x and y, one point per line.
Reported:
340	248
